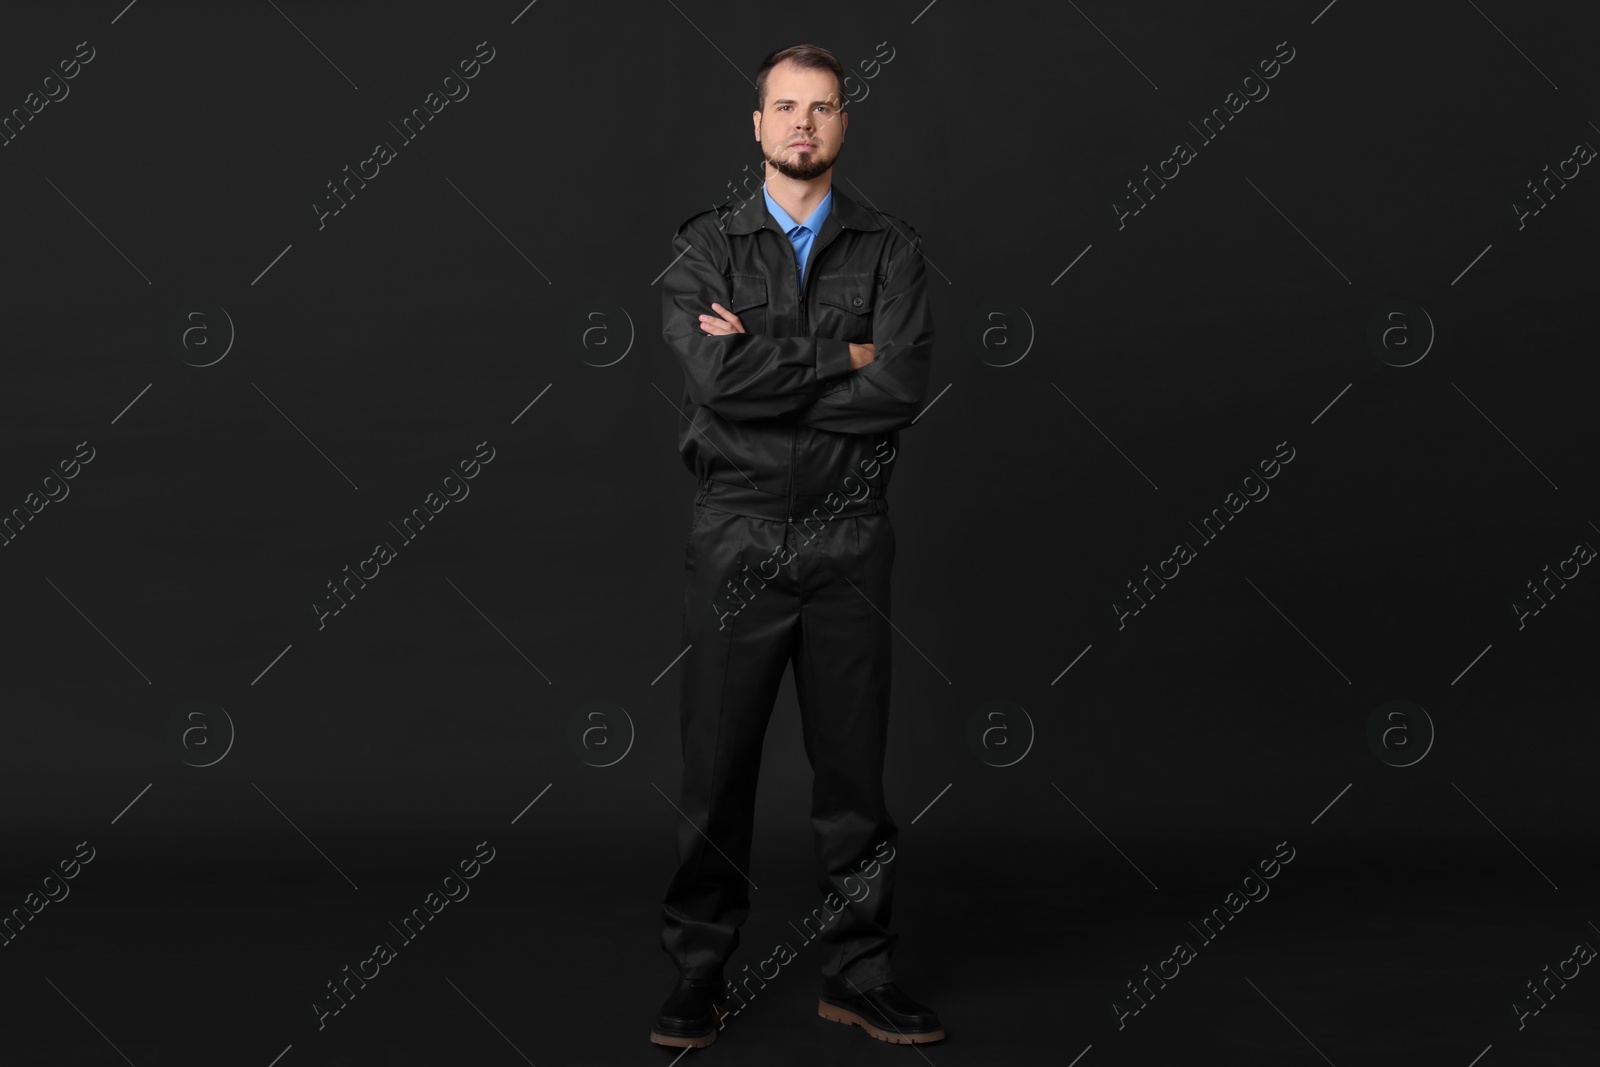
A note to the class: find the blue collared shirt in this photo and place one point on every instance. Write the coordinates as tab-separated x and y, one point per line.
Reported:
801	235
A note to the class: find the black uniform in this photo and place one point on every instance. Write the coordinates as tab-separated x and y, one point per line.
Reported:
789	554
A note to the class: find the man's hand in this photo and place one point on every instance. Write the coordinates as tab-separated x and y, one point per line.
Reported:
721	327
860	356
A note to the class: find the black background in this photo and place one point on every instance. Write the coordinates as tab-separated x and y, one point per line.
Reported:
1178	351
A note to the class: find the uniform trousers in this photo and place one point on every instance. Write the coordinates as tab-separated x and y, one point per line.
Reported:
760	595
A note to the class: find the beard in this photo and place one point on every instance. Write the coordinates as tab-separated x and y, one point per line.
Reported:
801	166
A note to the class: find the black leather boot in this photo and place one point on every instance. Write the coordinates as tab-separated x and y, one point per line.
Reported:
689	1017
884	1012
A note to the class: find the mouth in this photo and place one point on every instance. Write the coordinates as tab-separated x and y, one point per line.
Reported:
802	144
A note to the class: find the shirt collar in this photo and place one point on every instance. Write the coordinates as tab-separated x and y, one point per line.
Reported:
814	223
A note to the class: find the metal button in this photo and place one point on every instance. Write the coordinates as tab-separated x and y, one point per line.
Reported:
858	301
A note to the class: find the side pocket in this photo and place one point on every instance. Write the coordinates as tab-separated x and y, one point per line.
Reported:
694	525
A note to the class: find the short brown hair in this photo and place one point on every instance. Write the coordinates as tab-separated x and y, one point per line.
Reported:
805	56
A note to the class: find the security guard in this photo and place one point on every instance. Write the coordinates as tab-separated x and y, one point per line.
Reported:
802	322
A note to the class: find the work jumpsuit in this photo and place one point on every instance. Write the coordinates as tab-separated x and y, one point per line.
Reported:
788	558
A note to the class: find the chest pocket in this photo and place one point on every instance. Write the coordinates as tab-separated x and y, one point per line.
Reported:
749	302
844	307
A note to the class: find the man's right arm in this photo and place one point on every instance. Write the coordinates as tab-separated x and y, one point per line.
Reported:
737	375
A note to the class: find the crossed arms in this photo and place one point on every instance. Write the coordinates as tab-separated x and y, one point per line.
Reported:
813	380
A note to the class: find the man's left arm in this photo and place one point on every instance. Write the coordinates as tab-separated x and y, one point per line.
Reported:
887	393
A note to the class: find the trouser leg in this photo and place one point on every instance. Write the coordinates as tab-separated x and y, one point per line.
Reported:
741	639
842	660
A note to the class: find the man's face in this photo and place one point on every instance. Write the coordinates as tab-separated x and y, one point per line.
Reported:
802	129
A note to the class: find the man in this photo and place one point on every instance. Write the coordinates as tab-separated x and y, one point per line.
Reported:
806	348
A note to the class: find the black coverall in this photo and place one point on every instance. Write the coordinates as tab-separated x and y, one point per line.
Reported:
789	555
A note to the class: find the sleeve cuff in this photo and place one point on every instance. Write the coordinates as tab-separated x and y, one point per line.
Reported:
833	358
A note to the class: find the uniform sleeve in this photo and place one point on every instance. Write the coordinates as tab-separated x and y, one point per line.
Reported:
740	375
887	393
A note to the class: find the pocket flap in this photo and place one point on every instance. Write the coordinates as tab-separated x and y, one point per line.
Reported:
749	290
852	294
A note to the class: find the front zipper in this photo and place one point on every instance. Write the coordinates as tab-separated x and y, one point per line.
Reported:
794	433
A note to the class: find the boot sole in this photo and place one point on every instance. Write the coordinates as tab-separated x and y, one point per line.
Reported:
834	1013
683	1042
691	1040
